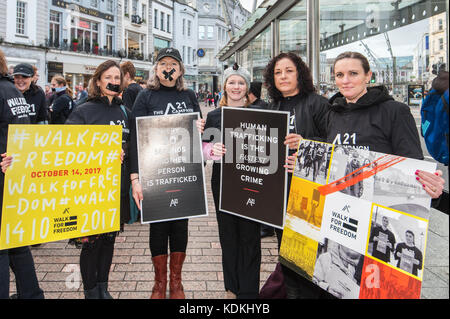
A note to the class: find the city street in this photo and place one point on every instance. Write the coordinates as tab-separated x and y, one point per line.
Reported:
132	273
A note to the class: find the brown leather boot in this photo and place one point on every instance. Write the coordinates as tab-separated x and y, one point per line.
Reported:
176	264
159	289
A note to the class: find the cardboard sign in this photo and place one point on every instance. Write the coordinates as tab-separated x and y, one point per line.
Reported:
171	168
64	183
253	179
366	233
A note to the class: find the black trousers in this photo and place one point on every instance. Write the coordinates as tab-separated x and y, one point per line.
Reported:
96	259
173	233
240	240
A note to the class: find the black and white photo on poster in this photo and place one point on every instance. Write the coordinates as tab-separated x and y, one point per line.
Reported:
395	186
313	161
398	239
171	169
253	179
347	160
338	269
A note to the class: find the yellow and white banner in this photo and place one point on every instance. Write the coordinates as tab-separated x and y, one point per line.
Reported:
64	183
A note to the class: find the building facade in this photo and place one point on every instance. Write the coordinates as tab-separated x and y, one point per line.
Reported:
163	25
134	34
23	30
218	20
185	39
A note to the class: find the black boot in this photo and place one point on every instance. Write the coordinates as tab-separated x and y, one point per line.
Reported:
92	293
103	290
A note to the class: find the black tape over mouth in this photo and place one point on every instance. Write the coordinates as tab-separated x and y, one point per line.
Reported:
113	87
168	75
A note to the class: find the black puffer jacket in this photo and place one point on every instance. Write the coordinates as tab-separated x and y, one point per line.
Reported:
376	121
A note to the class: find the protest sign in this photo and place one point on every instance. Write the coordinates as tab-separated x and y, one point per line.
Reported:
171	168
64	183
253	179
357	221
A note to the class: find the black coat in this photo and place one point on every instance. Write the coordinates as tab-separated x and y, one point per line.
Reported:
61	107
376	121
308	113
99	111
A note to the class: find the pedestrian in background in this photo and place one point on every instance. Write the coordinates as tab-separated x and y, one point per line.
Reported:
81	94
131	88
34	95
62	101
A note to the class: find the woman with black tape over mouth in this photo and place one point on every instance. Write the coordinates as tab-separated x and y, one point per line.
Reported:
165	94
103	107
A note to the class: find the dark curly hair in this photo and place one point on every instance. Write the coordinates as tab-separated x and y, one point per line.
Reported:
305	82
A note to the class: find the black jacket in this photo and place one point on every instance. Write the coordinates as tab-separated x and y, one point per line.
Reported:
14	109
98	111
130	94
62	106
166	100
308	113
260	104
35	97
376	121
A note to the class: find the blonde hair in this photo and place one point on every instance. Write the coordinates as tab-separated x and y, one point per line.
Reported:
224	100
154	83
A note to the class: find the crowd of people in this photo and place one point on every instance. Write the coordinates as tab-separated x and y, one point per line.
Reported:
113	96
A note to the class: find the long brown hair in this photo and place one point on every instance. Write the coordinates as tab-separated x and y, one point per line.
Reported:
61	80
93	89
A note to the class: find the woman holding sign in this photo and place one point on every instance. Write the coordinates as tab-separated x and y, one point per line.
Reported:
240	238
290	87
369	116
103	107
165	94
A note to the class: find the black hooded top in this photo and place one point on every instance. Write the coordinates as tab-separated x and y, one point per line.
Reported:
376	121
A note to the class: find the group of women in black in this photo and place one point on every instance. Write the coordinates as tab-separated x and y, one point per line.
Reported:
378	121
